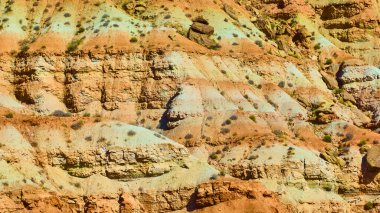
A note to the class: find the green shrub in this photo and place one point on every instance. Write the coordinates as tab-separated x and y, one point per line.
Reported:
80	30
369	205
327	138
9	115
253	118
362	142
213	156
73	45
253	157
328	188
133	40
328	61
227	122
317	46
24	46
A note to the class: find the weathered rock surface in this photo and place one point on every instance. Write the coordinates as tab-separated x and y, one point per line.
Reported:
285	93
373	157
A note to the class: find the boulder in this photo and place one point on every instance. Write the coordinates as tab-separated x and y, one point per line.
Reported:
200	19
348	97
230	11
373	156
135	7
350	74
202	39
284	43
332	157
202	28
329	80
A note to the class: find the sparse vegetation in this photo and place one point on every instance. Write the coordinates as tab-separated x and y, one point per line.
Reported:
349	136
214	177
328	61
327	138
73	45
328	188
291	152
9	115
281	84
233	117
253	157
362	142
78	125
278	133
24	46
101	140
369	205
133	40
188	136
227	122
259	43
131	133
224	130
253	118
317	46
59	113
80	30
213	156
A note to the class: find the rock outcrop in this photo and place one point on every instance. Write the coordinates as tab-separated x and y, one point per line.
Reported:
200	32
202	106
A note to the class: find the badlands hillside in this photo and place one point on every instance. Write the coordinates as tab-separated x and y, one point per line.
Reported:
189	106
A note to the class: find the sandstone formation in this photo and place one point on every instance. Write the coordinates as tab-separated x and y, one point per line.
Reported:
189	106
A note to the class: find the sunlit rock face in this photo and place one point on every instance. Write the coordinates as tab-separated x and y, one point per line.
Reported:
178	106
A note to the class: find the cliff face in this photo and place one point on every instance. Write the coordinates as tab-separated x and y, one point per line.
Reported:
145	106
